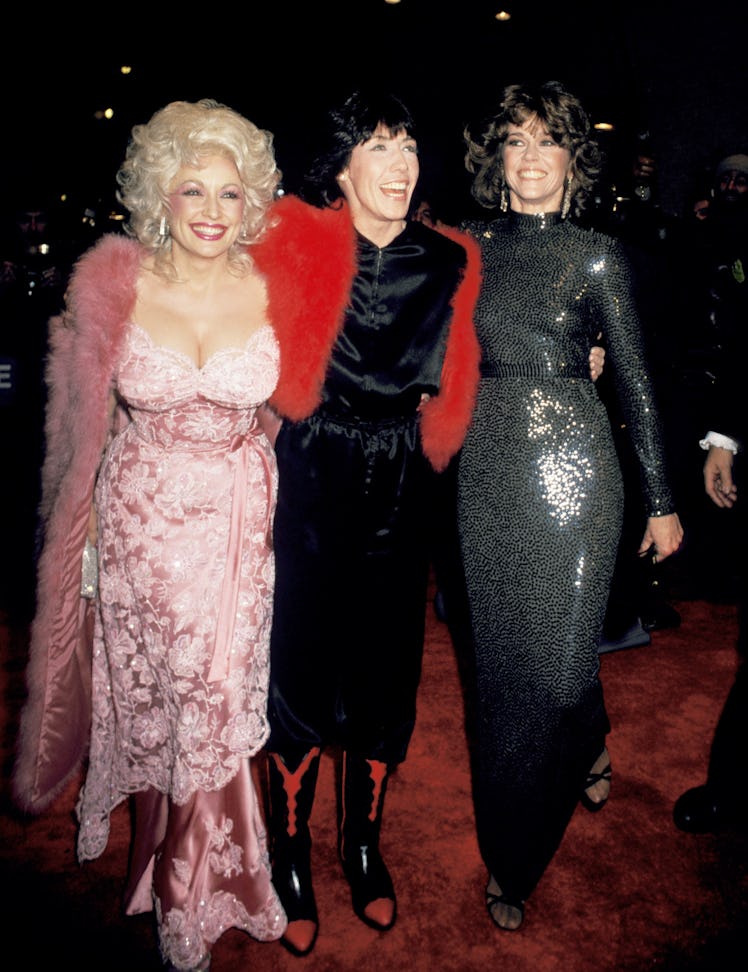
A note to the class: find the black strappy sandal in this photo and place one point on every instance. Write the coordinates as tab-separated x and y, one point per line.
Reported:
492	898
606	773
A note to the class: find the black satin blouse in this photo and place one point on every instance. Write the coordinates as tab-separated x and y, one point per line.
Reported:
392	344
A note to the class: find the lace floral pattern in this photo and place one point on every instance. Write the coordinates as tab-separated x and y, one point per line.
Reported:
189	924
185	932
181	653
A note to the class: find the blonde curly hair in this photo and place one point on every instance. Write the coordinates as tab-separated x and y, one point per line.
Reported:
182	134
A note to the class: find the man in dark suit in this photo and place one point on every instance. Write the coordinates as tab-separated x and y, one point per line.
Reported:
722	802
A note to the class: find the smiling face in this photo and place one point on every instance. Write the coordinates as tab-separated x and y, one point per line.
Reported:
378	183
535	168
206	204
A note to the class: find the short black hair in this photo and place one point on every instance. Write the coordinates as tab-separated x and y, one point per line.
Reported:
352	123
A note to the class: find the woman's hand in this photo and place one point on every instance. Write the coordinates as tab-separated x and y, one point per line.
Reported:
597	361
269	421
664	533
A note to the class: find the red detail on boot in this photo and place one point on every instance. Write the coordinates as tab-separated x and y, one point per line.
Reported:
378	772
292	783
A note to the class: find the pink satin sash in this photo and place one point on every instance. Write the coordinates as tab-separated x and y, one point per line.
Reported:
221	664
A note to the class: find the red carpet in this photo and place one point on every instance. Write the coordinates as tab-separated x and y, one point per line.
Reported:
627	891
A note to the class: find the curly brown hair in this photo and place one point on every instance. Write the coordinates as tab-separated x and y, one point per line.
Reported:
560	112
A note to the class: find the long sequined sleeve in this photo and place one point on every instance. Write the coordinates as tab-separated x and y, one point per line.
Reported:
613	306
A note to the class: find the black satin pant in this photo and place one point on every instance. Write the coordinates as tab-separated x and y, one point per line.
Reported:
350	592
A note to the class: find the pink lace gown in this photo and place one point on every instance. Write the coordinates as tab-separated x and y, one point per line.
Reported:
185	499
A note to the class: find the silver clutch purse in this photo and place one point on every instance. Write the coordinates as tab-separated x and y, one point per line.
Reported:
89	571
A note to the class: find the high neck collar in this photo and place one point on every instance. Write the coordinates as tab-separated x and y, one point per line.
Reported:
367	241
534	222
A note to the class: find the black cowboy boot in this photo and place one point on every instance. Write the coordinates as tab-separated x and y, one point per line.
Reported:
373	896
291	794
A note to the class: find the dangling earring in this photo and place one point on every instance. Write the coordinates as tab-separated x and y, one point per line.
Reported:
243	238
163	228
566	201
504	200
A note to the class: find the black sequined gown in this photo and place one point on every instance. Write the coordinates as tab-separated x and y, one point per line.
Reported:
539	513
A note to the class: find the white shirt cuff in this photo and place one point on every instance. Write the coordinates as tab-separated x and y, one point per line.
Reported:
716	439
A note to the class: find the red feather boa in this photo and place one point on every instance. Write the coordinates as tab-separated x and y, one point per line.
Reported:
308	259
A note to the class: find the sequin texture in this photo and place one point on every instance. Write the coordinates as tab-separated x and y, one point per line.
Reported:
540	504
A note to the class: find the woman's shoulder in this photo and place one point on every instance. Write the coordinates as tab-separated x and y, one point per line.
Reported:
113	254
479	228
593	237
446	242
294	214
113	244
105	276
299	231
600	255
